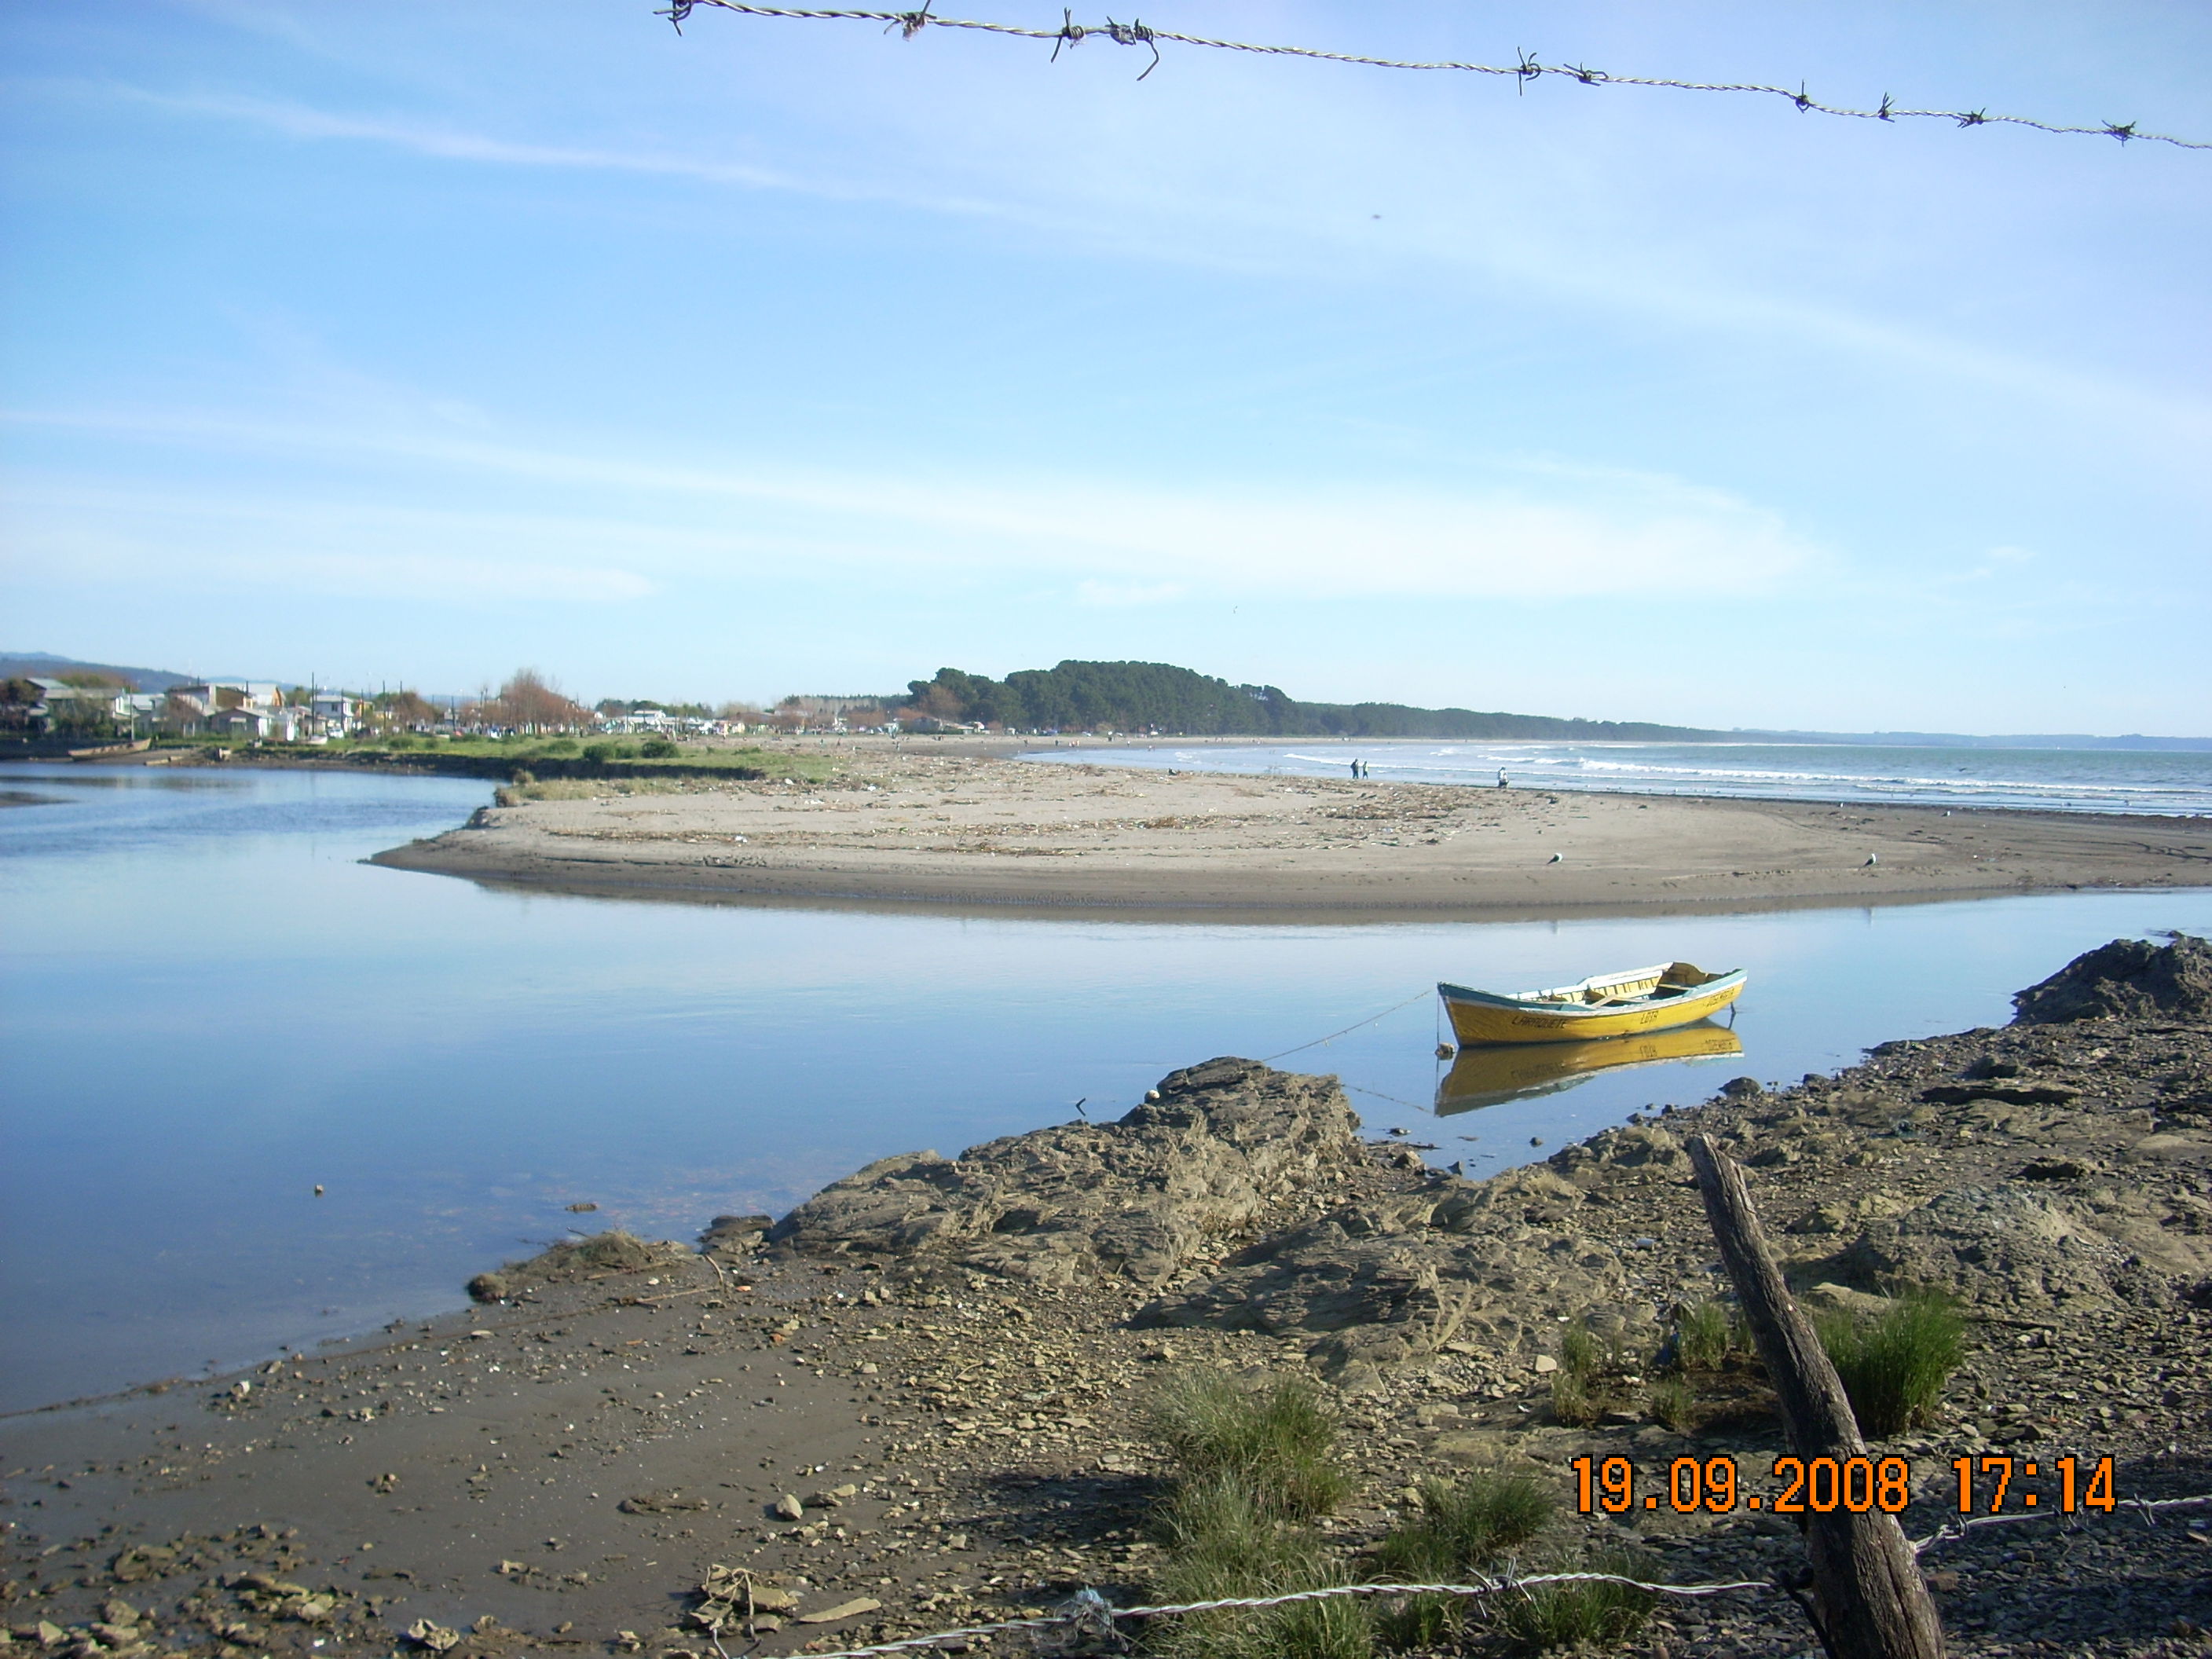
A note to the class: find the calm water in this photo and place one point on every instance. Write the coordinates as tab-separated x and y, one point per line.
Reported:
2056	780
210	1006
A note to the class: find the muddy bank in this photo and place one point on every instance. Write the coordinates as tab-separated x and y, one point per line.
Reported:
908	826
941	1360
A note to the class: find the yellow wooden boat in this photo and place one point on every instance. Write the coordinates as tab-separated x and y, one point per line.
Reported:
1605	1004
1492	1074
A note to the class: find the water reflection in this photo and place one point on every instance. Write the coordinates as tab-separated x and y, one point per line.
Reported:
209	1007
1491	1074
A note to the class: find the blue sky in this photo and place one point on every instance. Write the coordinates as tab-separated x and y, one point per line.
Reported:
410	343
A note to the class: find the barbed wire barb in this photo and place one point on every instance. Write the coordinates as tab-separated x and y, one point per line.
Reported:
2146	1508
1527	67
1090	1611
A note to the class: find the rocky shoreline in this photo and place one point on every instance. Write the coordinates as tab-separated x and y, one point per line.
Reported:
916	1402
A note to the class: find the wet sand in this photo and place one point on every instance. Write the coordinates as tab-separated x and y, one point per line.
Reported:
958	827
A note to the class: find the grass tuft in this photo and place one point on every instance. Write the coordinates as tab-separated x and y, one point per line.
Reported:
1548	1616
1574	1401
1467	1524
1675	1403
1894	1363
1705	1334
1578	1352
1464	1527
1281	1440
1257	1468
1571	1401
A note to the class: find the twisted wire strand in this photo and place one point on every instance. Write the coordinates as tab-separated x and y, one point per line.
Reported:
1089	1608
1957	1529
1525	70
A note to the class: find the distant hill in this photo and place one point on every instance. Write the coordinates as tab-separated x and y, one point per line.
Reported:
43	665
1133	697
1963	740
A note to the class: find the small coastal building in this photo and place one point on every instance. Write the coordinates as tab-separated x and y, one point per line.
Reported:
242	722
76	707
336	715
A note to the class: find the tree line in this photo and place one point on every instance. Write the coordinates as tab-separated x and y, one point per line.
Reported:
1146	696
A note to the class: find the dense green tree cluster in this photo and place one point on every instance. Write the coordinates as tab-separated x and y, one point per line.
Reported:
1139	696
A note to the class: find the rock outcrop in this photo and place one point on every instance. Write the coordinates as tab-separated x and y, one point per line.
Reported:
574	1260
2129	978
1221	1146
2002	1247
1488	1267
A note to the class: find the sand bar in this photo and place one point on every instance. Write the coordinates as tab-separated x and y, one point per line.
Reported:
943	827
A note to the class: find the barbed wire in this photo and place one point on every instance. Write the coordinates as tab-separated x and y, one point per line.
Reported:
1526	67
1092	1613
1957	1529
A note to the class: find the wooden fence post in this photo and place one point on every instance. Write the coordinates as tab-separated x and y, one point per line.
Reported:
1868	1597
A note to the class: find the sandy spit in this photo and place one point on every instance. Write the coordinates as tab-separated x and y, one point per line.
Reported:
954	827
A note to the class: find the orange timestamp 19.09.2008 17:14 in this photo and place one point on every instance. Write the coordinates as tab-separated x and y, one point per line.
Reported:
1859	1485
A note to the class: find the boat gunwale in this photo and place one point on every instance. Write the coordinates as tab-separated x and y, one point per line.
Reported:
1528	1001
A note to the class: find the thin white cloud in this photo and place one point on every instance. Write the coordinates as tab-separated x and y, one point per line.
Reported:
444	142
1598	534
1146	209
330	548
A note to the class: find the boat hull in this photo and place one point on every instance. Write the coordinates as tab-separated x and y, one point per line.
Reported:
110	750
1482	1016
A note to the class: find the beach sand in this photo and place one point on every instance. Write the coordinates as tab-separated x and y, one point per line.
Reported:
950	826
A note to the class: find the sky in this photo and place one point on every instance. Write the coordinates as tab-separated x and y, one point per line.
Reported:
410	343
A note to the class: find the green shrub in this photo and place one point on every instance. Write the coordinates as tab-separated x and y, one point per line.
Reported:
596	752
1675	1403
1467	1524
1281	1439
1546	1616
1578	1353
1571	1400
1705	1334
1256	1467
1463	1527
625	751
1893	1364
560	746
1224	1539
660	749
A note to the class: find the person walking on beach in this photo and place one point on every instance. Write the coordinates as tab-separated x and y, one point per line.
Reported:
1501	777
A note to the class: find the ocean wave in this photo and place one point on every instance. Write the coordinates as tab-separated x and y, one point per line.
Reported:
2148	782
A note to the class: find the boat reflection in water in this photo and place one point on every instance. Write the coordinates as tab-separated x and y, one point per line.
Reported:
1494	1074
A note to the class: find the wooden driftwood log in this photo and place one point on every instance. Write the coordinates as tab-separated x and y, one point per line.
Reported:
1868	1598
